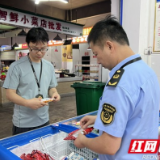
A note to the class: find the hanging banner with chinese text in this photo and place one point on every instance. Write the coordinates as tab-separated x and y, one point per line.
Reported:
23	19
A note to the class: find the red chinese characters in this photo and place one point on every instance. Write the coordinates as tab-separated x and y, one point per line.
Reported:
25	20
58	26
3	15
50	25
14	17
34	21
43	23
144	146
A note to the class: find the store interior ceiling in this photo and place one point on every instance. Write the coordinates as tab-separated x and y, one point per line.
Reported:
72	4
7	30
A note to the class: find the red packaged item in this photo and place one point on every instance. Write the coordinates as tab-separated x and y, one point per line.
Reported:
36	155
74	134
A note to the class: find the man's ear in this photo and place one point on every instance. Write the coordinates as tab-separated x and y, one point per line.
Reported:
110	45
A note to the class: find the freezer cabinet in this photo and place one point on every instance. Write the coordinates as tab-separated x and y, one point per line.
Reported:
48	140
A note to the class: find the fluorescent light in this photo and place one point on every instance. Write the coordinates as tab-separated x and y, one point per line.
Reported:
64	1
37	2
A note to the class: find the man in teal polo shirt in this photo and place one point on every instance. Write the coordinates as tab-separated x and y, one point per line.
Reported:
28	80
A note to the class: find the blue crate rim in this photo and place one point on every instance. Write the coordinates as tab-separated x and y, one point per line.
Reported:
5	143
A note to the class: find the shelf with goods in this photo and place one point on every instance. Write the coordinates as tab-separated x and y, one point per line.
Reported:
87	74
7	55
88	71
87	65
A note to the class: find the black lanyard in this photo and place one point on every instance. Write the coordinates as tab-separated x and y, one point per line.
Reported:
118	74
131	61
38	83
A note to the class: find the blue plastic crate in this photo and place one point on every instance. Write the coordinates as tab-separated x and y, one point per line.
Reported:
20	140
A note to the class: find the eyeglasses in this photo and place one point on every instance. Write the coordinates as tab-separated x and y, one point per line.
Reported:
43	50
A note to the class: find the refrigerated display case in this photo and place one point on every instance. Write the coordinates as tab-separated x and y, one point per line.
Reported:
47	140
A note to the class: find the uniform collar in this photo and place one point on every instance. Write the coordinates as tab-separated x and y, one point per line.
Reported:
119	65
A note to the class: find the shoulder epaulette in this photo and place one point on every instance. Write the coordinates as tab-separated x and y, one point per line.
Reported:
116	78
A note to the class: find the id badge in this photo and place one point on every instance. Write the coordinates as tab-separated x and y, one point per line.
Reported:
39	96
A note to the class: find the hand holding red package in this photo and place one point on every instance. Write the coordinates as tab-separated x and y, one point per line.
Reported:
74	134
47	100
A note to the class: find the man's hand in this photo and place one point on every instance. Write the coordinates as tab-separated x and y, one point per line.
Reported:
56	96
79	141
35	103
86	121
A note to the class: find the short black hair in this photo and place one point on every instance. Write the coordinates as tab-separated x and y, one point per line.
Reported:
109	29
37	34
